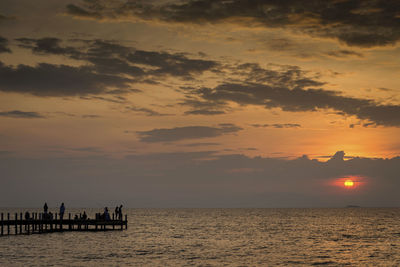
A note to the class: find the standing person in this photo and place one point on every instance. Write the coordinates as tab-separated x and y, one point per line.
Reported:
106	214
45	208
116	212
62	210
120	212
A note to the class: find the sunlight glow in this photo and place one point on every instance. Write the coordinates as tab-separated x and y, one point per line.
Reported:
348	183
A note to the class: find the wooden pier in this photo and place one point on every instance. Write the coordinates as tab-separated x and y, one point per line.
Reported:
38	224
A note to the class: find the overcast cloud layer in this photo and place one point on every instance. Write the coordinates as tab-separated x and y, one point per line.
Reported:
200	179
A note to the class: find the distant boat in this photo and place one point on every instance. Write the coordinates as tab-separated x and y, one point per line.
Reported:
352	206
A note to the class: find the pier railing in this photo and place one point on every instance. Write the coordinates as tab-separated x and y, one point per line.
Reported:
38	223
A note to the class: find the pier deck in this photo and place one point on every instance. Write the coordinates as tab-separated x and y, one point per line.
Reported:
38	225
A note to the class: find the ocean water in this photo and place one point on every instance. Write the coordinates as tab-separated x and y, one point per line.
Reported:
221	237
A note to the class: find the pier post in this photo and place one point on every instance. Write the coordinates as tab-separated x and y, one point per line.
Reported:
69	221
20	221
8	224
55	222
40	223
34	223
126	221
28	226
113	220
2	224
61	226
16	223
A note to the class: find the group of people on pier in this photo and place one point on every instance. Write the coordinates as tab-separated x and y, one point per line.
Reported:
106	215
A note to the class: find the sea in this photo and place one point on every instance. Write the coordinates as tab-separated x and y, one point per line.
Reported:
220	237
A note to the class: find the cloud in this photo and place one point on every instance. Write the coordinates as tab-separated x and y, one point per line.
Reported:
171	64
112	58
204	112
111	68
90	116
146	111
48	45
57	80
288	88
21	114
202	107
344	53
200	144
4	45
277	125
187	132
301	99
357	23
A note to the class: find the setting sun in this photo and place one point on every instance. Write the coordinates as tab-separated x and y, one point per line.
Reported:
348	183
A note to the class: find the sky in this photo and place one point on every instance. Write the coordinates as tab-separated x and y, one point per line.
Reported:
199	103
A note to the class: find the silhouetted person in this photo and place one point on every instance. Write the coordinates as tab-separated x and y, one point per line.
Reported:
116	212
45	208
84	216
120	212
62	210
106	214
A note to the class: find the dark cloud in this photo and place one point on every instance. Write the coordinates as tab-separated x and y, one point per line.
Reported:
200	144
21	114
202	107
172	64
301	99
287	76
116	100
47	46
363	23
288	88
188	132
344	53
90	116
112	69
112	58
57	80
146	111
277	125
305	49
204	112
4	45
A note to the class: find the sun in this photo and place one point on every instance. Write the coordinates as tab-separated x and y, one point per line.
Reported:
348	183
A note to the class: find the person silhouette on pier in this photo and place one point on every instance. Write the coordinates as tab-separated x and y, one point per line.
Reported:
106	214
62	210
120	212
116	212
45	208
